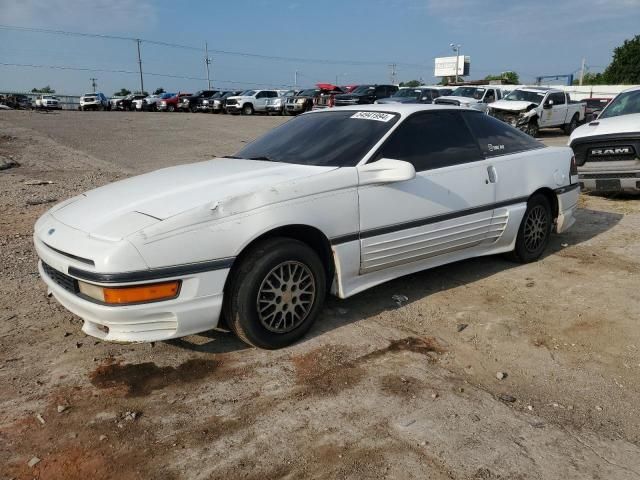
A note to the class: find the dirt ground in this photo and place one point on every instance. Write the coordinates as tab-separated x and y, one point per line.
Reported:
376	390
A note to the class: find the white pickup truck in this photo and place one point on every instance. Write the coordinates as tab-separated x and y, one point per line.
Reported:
607	150
533	108
47	102
251	101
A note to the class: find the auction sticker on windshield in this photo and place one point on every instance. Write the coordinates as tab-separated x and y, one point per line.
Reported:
378	116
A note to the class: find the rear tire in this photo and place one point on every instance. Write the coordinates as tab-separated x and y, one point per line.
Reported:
171	108
534	232
572	125
275	293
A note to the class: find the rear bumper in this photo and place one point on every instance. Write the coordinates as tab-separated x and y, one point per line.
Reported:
567	206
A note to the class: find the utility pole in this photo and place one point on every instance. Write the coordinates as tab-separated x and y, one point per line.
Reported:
582	71
456	49
295	80
140	67
207	61
393	73
94	85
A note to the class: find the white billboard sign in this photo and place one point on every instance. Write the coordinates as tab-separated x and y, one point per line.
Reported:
446	66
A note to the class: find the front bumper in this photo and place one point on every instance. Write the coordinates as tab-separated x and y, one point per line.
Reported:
273	108
195	310
600	180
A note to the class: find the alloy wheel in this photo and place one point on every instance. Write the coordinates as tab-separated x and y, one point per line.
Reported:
286	297
536	228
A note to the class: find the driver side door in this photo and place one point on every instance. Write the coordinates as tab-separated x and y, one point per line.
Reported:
446	208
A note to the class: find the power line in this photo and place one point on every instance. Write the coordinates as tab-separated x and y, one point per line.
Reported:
132	72
199	49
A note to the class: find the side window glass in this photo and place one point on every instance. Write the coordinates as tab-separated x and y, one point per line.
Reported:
496	137
260	95
381	91
490	97
432	140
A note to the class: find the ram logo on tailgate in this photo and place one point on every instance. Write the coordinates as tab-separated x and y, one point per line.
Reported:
600	152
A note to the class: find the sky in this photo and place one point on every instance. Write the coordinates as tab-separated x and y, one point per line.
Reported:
353	41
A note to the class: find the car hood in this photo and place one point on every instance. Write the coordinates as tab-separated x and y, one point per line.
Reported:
461	100
398	100
239	97
623	124
512	105
125	207
348	96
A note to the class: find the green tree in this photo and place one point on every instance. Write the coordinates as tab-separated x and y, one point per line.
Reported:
509	77
591	79
46	89
411	83
158	91
123	92
625	66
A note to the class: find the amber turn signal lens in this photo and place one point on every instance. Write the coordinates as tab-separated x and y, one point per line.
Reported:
141	293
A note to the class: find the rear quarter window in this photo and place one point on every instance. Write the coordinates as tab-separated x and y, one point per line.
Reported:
496	137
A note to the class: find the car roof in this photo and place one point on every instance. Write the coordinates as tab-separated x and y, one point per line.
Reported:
404	109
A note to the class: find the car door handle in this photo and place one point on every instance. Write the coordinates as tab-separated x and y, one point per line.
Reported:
493	174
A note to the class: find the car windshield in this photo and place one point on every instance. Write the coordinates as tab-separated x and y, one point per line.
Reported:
336	138
311	92
469	92
525	96
624	104
167	95
363	89
407	93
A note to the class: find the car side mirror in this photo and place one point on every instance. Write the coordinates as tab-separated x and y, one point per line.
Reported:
549	104
385	170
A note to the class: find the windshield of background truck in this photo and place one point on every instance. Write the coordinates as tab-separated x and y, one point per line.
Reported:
312	92
469	92
407	93
624	104
524	96
362	89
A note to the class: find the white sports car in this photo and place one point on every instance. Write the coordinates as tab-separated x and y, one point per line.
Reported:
337	200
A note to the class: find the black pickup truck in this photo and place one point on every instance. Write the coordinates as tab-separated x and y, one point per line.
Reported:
190	103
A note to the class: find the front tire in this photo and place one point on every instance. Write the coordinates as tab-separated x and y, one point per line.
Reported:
247	109
533	129
535	230
275	293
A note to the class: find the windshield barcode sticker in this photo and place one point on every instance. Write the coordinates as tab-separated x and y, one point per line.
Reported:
378	116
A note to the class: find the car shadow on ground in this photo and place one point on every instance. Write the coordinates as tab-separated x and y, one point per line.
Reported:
338	313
